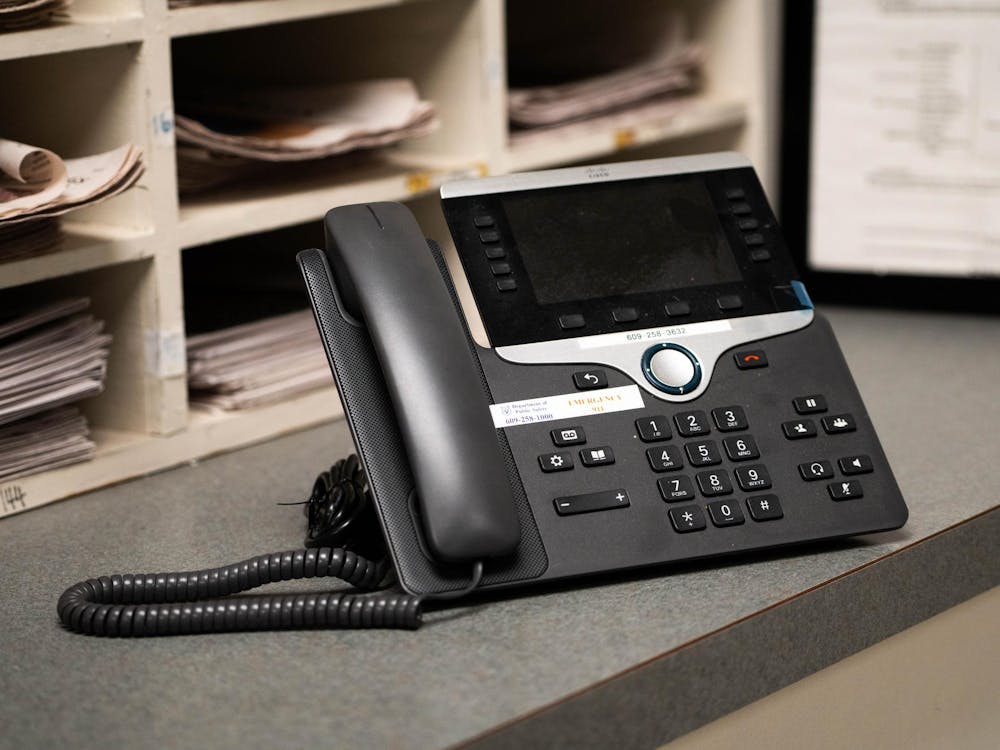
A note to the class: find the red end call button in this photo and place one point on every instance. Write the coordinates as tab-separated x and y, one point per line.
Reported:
749	359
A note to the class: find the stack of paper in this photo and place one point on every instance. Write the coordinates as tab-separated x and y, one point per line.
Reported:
54	438
228	134
37	185
49	357
257	363
21	14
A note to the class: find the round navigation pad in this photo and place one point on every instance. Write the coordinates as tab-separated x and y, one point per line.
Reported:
671	368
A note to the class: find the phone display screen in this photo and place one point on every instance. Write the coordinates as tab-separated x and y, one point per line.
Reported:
619	238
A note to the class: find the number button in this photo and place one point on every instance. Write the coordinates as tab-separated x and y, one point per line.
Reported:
705	453
667	458
725	514
652	429
753	478
675	489
687	518
714	483
729	418
764	508
743	448
692	423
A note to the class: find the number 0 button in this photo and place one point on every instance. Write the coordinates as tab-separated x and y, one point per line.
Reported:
725	513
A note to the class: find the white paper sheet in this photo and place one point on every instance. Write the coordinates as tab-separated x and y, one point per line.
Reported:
905	164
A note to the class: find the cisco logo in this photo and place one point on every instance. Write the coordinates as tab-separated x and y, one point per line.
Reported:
598	173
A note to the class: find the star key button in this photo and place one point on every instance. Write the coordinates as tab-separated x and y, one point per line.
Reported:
687	518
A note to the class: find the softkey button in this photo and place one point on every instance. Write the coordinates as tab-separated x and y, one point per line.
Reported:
568	436
809	404
482	221
495	252
653	429
747	224
725	513
855	465
692	423
704	453
573	504
741	209
506	284
754	239
687	518
839	423
735	194
562	461
601	456
571	321
743	448
764	507
760	255
730	302
489	236
750	359
590	379
677	308
729	418
815	470
667	458
846	490
676	489
624	314
796	430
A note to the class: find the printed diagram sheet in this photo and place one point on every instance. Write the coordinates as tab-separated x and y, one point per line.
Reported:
905	174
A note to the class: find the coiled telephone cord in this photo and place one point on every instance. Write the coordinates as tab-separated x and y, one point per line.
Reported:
140	605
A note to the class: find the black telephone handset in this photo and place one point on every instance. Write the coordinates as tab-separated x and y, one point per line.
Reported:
388	281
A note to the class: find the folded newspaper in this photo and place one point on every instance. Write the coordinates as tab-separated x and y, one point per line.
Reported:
232	131
257	363
652	81
22	14
50	357
36	185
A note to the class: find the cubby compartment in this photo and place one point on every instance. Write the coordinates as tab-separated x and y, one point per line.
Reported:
609	37
435	43
101	91
82	25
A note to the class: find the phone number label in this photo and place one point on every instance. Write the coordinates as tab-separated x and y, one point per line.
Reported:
566	406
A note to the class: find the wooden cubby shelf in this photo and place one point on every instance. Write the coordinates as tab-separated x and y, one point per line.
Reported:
112	70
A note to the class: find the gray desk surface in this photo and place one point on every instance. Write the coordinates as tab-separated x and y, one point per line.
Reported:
635	660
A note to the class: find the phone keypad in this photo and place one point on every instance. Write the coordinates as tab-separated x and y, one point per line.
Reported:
692	423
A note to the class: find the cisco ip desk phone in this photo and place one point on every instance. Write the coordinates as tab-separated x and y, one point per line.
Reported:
655	387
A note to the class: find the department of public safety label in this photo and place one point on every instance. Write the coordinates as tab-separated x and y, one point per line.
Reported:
566	405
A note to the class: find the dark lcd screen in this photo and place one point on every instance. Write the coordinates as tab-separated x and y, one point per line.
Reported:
619	238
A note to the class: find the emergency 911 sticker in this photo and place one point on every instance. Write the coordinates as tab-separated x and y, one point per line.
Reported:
565	406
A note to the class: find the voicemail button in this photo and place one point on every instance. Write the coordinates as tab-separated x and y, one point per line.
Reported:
600	456
590	379
562	461
569	436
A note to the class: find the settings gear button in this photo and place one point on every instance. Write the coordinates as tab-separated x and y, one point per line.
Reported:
562	461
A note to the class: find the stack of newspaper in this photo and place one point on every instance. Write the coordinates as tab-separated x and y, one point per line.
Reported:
257	363
36	185
50	357
227	135
22	14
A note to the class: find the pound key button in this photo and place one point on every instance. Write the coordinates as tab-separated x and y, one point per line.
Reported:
590	379
568	506
764	508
